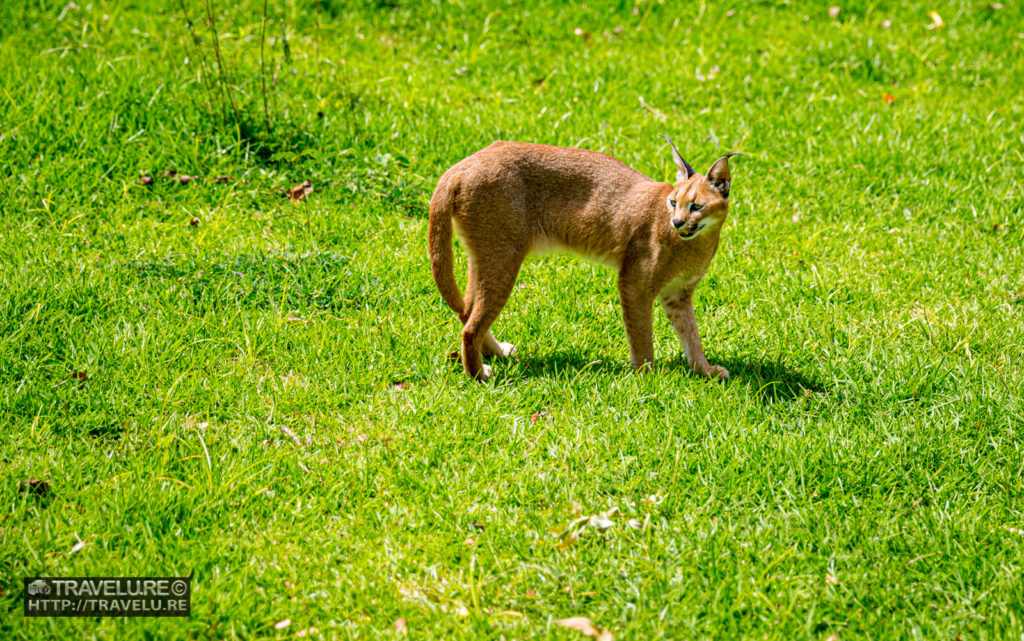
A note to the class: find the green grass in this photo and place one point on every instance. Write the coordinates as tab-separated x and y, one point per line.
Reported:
263	400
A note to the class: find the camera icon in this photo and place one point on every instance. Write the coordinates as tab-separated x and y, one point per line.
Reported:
38	587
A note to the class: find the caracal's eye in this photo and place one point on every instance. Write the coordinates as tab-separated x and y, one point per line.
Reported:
672	203
696	206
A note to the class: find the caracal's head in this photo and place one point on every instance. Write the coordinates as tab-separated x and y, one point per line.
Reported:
698	203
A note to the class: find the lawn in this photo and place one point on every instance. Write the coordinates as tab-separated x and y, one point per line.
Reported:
208	369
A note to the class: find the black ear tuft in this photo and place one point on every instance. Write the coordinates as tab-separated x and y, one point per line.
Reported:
685	170
718	175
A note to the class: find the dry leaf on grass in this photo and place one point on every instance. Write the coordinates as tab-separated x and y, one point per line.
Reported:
659	114
299	192
292	435
587	627
79	546
888	98
536	416
572	532
173	175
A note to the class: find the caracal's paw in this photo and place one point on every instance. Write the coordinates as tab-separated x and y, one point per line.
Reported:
494	349
647	367
716	371
505	350
484	374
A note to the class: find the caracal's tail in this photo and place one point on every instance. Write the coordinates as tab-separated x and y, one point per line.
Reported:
439	240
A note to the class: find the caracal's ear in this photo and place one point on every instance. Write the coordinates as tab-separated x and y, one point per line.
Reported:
718	175
685	170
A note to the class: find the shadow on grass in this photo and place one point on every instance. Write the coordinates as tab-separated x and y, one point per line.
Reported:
558	362
772	381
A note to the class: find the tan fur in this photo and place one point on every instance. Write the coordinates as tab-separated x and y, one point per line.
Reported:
510	199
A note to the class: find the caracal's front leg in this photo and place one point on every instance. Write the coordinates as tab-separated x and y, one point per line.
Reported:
679	309
637	306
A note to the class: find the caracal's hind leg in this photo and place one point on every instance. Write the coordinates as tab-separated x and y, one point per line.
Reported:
493	349
492	285
490	347
637	316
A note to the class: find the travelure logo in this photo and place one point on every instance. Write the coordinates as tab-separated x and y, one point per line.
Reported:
38	587
108	596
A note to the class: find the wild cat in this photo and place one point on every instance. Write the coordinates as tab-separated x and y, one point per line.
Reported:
511	199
